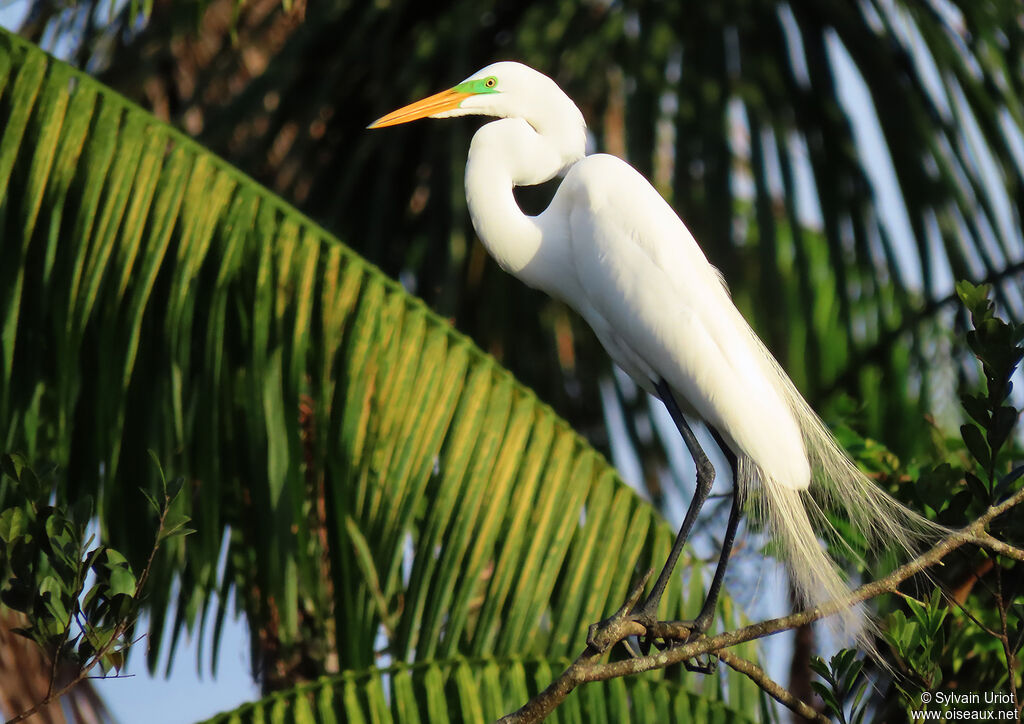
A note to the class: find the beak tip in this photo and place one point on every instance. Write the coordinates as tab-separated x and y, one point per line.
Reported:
427	108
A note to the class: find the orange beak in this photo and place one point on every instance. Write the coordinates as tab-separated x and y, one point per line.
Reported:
437	103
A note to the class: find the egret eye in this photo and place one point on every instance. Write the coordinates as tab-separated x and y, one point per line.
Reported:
491	82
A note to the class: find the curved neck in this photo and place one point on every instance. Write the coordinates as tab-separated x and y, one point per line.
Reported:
505	154
509	235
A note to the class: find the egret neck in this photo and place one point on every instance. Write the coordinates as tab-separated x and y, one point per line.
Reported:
508	153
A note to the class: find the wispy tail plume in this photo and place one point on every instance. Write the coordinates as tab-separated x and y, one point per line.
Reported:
836	484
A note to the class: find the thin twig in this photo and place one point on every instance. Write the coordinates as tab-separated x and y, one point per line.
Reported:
986	540
1011	659
950	599
587	666
771	687
102	651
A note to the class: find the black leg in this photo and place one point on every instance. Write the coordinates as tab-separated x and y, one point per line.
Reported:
648	610
707	611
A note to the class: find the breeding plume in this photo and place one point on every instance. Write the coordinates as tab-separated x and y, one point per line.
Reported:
609	246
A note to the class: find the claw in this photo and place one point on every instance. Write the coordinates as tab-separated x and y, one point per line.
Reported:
708	667
661	635
596	629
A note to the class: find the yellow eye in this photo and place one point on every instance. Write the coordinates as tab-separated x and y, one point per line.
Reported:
491	82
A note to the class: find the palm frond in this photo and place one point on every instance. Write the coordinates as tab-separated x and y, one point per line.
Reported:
846	161
479	690
378	485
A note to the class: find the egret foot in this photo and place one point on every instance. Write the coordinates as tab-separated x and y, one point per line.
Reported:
676	632
600	635
664	635
672	633
707	665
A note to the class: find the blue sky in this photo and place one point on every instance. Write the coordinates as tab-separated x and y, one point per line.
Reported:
184	695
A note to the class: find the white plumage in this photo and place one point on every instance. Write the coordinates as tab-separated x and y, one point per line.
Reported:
612	248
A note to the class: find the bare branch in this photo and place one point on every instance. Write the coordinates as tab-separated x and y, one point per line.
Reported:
588	667
1004	638
775	690
985	540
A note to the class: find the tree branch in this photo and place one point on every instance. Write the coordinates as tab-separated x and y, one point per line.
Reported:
588	667
775	690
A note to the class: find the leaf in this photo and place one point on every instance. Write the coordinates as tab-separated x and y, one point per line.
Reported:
857	709
975	298
62	537
30	485
480	689
364	557
174	525
12	525
113	660
896	632
12	464
819	666
177	532
976	444
173	489
122	581
1007	480
95	602
1002	424
152	501
827	696
978	489
977	408
53	595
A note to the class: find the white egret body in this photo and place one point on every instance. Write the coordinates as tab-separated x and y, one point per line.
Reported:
609	246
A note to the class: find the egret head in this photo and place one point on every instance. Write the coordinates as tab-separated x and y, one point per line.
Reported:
504	90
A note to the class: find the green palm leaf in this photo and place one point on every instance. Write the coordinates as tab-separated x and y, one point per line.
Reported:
376	480
479	690
742	112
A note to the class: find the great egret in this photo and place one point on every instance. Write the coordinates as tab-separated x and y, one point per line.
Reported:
609	246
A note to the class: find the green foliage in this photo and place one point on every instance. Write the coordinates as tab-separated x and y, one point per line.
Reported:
944	643
480	690
972	644
920	643
755	104
844	688
996	344
376	471
80	602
